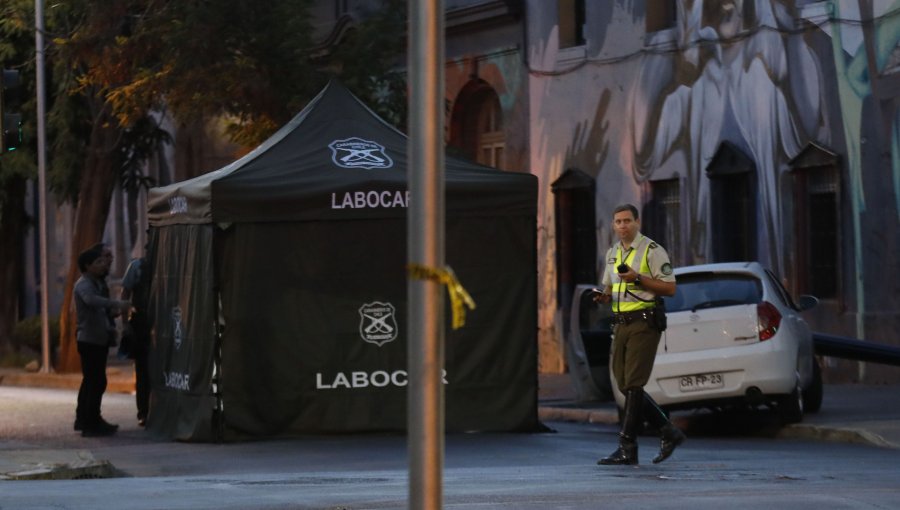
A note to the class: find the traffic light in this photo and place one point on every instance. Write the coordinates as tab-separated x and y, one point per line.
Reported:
10	118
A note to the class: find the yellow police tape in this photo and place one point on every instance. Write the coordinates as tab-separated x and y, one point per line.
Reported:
458	294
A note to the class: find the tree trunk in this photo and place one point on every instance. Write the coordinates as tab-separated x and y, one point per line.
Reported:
12	228
94	194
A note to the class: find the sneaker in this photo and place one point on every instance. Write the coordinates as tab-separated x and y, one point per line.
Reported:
77	426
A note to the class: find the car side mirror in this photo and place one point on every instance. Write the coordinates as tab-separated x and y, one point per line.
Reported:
807	302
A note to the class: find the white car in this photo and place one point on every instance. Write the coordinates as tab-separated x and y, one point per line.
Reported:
735	337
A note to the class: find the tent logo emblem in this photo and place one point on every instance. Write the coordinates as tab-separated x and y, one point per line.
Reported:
178	205
176	317
358	153
377	323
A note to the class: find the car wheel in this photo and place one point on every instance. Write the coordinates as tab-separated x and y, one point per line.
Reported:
790	406
812	397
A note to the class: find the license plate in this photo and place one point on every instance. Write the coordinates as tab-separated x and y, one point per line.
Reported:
701	382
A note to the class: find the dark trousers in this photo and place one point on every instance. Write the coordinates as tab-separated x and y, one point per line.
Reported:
93	383
633	353
142	378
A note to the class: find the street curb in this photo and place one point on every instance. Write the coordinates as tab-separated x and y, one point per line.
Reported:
74	471
794	431
40	464
835	435
577	415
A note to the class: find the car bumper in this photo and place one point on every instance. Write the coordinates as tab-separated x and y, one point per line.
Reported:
765	368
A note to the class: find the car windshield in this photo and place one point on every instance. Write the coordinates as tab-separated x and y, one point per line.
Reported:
696	291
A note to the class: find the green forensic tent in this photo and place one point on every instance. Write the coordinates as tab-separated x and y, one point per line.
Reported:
280	281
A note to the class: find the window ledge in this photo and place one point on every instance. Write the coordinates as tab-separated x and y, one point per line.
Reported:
662	39
571	54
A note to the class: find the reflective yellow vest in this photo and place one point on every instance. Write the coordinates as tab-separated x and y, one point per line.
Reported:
636	298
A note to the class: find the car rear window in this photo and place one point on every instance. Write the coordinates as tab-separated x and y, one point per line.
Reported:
712	290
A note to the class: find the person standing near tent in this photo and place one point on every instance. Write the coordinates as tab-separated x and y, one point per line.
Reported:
136	288
637	272
94	332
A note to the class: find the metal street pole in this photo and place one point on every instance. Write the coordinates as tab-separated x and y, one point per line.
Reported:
425	224
42	180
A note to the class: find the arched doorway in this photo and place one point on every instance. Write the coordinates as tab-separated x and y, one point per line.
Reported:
476	125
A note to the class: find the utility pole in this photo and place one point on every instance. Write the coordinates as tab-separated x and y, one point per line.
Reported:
425	224
42	181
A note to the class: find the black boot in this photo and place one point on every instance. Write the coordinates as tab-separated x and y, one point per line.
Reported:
669	435
627	452
669	439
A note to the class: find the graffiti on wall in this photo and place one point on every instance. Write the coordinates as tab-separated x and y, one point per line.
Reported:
740	79
855	83
766	76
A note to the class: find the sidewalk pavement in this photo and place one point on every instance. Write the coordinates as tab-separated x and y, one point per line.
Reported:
851	413
119	378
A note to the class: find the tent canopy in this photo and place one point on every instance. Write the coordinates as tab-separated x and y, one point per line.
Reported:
283	276
335	160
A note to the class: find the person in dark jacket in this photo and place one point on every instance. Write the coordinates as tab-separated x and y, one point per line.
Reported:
94	333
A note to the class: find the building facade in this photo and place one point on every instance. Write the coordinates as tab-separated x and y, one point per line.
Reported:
761	130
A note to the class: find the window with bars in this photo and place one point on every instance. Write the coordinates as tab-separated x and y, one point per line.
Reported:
821	232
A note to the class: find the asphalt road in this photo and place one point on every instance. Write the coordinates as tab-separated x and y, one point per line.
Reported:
727	468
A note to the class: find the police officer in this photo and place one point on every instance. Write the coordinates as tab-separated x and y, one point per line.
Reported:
637	271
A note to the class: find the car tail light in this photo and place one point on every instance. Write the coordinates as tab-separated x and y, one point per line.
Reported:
768	318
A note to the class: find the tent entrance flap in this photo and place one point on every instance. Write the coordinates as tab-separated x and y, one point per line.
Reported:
183	308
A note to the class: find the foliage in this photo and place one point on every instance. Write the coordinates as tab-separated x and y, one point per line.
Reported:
115	68
15	35
379	79
27	332
14	358
252	63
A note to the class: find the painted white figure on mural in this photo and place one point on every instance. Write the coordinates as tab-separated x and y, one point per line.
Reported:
731	84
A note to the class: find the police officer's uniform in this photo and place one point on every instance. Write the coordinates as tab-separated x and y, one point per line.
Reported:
636	335
635	339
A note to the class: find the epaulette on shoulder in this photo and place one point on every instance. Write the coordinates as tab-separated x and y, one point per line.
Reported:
653	245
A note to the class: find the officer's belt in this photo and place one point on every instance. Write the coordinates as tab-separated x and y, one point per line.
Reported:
645	314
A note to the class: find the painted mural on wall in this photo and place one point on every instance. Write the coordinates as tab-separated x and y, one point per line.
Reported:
767	76
664	115
854	83
732	83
